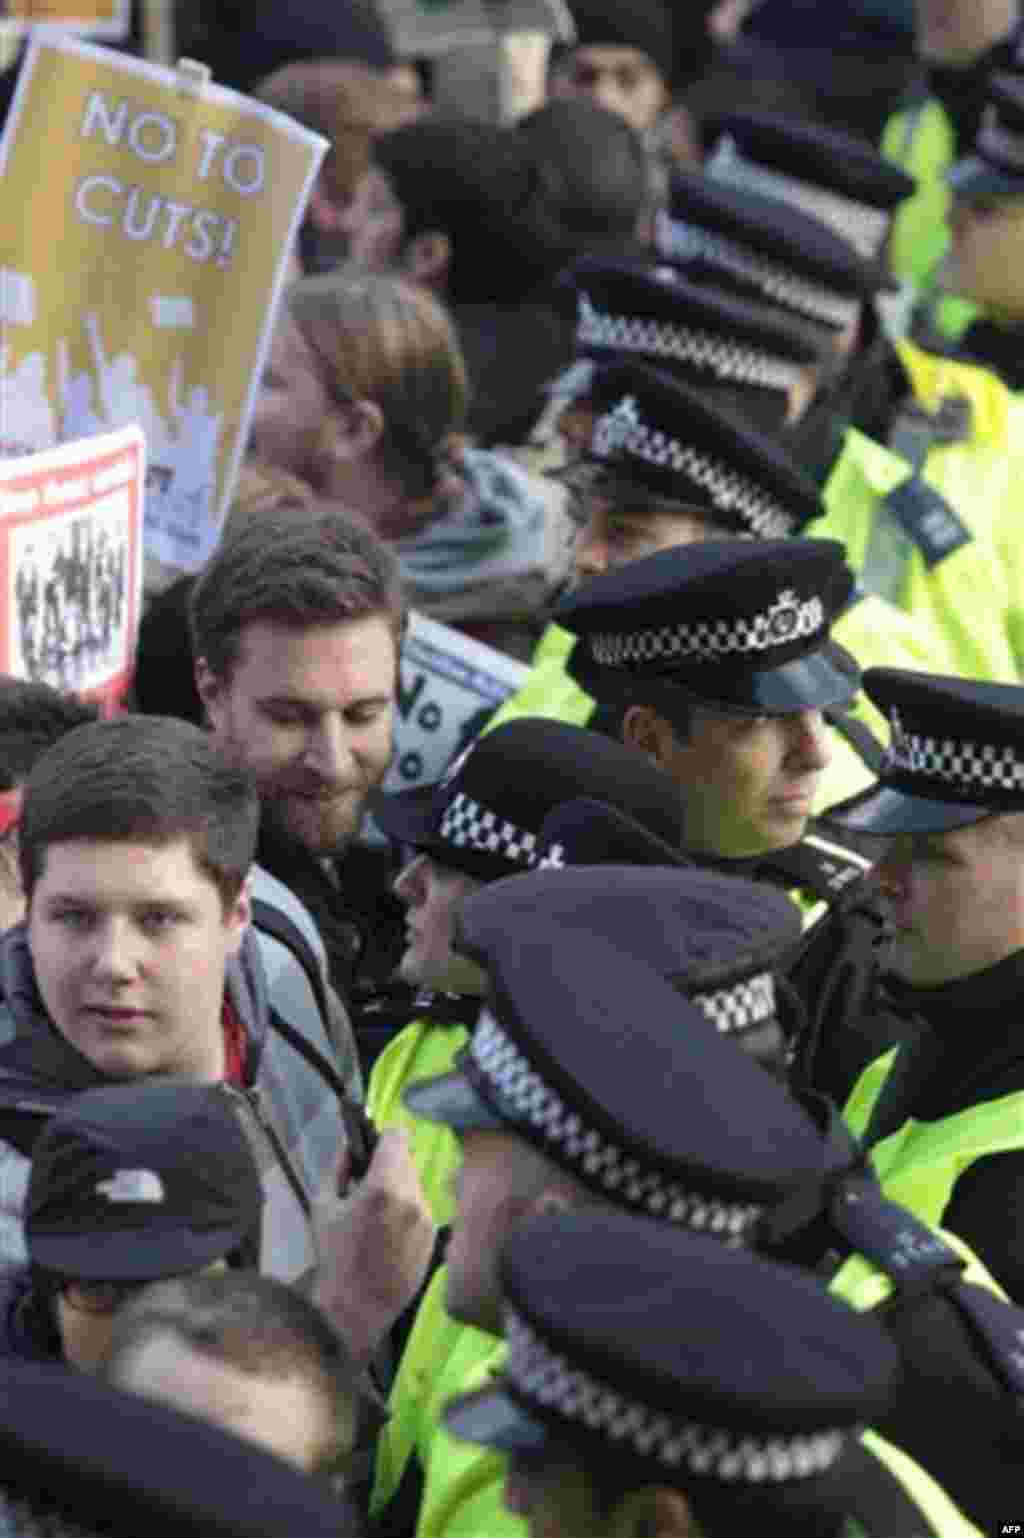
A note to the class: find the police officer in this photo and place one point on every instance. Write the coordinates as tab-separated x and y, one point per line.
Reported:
943	1114
987	186
655	1380
481	823
917	523
558	1101
757	366
932	409
717	661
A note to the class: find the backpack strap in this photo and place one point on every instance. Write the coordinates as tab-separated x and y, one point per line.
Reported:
280	927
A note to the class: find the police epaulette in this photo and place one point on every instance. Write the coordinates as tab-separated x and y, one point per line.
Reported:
818	865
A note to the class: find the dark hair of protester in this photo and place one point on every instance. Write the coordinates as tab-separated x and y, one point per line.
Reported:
245	40
591	181
295	571
254	1324
454	174
146	779
33	716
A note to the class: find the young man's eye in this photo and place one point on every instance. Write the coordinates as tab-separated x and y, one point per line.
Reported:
72	918
157	919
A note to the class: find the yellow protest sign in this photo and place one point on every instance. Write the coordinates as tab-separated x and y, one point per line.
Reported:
139	280
100	18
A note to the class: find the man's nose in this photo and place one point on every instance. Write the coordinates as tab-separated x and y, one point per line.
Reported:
114	954
328	750
810	740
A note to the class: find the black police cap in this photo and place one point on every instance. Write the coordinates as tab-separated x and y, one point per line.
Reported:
123	1465
742	627
585	1052
695	1364
717	939
830	175
996	168
956	754
651	428
766	249
686	329
589	832
485	815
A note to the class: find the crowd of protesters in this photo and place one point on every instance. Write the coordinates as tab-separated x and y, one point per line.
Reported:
621	1135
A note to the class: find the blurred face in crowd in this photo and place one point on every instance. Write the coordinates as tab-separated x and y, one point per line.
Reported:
291	403
129	943
287	1415
374	223
749	781
489	1206
308	712
617	531
85	1312
432	894
622	80
956	32
985	260
956	899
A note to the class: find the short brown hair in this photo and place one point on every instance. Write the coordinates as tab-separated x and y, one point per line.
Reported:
292	568
141	779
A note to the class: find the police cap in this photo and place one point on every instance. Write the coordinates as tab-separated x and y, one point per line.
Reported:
955	754
583	1051
652	429
589	832
679	1362
741	627
763	248
831	176
996	168
485	814
689	330
716	939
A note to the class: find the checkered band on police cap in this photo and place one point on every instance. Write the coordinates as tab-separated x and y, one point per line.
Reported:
957	762
863	226
682	242
469	824
739	1005
622	431
998	143
630	1180
724	357
788	619
548	1379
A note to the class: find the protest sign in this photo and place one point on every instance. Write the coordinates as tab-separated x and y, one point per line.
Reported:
71	565
448	682
109	19
138	282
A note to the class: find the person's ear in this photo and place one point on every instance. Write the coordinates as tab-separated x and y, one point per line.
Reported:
428	259
322	211
654	1512
210	690
354	431
645	730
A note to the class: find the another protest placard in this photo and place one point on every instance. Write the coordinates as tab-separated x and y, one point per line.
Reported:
109	19
71	565
450	683
156	213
